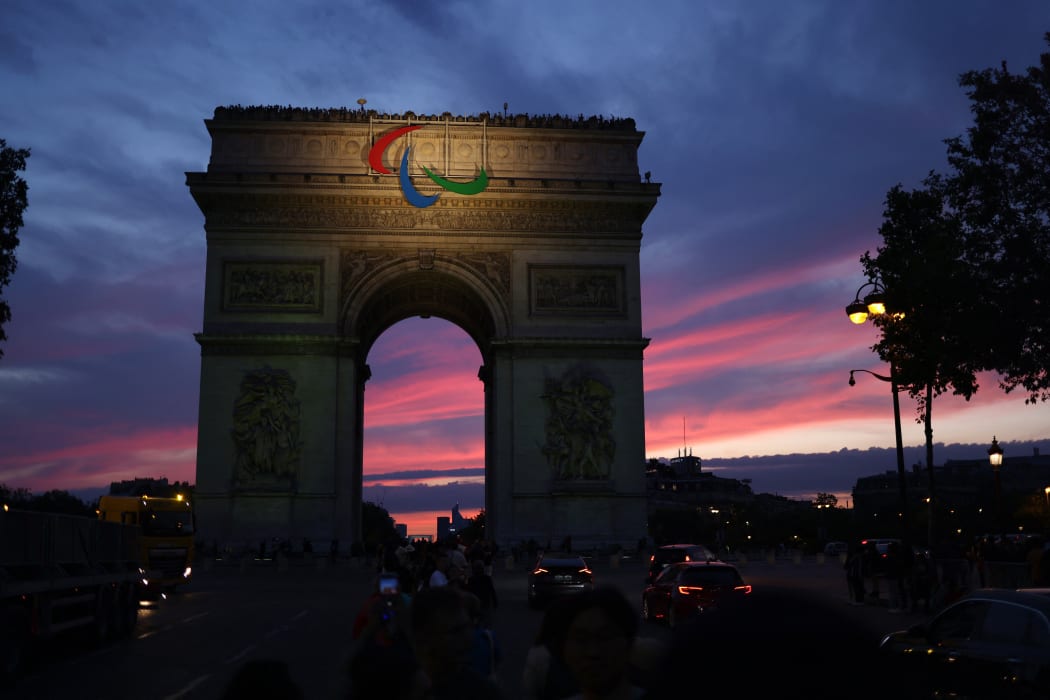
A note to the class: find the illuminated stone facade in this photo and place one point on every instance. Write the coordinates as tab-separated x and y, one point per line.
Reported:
313	252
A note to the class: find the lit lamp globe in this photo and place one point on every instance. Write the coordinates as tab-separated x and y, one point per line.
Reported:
995	454
874	304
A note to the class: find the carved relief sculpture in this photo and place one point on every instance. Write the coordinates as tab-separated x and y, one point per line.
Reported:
266	427
580	443
355	265
271	286
577	290
494	266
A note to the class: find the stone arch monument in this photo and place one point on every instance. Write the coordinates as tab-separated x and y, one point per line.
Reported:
325	227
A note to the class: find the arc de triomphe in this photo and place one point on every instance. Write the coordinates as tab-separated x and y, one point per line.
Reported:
326	227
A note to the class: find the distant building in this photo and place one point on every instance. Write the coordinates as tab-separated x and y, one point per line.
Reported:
685	465
444	528
957	484
402	530
141	486
680	484
458	521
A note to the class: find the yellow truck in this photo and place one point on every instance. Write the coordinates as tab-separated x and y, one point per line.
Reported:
165	539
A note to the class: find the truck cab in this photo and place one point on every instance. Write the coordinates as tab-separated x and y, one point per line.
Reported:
166	540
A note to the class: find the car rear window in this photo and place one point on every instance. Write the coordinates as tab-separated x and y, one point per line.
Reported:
562	566
711	577
673	556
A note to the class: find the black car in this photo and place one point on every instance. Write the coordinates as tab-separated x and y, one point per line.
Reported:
991	643
674	553
555	576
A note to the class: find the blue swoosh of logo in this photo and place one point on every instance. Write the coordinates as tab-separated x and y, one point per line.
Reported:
414	197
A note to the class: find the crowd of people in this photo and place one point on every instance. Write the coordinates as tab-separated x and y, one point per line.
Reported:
912	580
430	636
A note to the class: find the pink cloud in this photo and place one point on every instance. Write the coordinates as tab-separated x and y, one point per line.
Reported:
88	463
421	397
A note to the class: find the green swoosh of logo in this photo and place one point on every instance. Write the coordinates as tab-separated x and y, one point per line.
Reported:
473	187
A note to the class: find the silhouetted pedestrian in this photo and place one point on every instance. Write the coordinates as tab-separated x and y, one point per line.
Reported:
442	637
480	584
854	568
599	638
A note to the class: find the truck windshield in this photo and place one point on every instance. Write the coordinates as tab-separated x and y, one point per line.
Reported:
168	523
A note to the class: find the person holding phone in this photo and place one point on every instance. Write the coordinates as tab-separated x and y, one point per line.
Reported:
382	659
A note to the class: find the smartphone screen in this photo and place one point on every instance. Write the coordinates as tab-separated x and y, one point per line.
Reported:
388	584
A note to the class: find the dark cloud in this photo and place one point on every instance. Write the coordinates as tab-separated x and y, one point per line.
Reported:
775	129
409	499
420	474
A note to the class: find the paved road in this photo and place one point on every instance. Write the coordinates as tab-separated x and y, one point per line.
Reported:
189	646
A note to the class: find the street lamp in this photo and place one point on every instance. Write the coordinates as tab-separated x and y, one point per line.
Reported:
902	479
995	458
874	303
822	530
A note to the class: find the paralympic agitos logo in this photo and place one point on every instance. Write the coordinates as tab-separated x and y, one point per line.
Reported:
412	195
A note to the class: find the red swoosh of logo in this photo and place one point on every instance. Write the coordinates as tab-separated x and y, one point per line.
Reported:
375	156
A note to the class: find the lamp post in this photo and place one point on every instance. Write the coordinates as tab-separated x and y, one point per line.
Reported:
874	304
995	458
822	530
902	478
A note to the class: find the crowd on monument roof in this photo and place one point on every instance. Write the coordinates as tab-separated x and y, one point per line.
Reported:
346	114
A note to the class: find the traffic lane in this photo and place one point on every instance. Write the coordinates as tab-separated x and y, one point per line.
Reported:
301	618
780	642
802	610
516	623
191	645
827	581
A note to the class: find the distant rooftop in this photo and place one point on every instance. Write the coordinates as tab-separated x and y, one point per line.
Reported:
346	114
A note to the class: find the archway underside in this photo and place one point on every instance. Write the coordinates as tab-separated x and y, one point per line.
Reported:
423	294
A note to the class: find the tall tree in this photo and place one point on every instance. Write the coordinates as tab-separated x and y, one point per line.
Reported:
930	294
1001	190
377	527
13	201
826	499
926	336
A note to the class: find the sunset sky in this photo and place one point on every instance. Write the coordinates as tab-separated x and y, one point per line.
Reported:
775	128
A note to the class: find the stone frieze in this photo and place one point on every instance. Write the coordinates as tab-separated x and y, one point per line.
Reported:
610	218
284	286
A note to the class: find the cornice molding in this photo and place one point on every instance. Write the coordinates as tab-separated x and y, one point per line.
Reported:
280	211
274	344
555	348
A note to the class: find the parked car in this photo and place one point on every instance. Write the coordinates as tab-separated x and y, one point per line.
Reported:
991	643
556	576
673	553
834	549
882	549
882	544
687	588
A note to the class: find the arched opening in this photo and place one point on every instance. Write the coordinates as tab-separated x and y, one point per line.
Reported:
424	418
424	339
